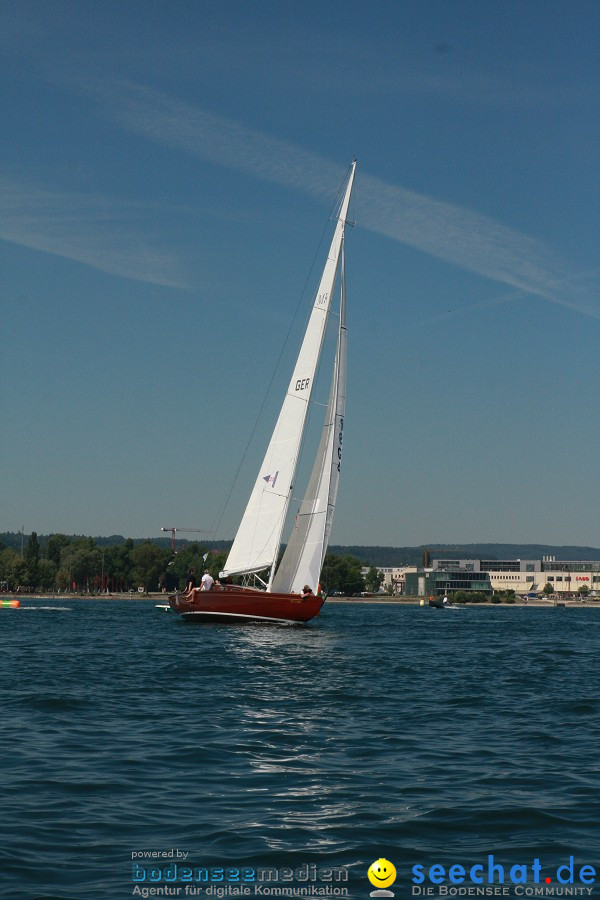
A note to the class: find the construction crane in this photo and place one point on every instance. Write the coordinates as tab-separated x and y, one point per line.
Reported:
173	530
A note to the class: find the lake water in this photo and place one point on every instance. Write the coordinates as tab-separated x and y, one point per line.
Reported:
424	737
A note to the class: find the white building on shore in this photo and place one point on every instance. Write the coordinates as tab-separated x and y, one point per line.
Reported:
523	576
394	577
528	576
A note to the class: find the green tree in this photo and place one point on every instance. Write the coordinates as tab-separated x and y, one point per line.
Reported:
55	544
47	574
13	569
118	565
79	564
148	564
342	573
584	589
373	580
548	589
32	560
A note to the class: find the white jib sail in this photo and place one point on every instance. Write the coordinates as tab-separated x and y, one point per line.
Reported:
303	558
258	538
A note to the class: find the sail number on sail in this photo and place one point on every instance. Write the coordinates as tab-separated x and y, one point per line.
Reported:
302	384
339	448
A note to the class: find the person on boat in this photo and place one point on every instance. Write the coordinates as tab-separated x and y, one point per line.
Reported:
306	592
190	586
207	581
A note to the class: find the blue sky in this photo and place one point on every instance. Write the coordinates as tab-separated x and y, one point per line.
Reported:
167	170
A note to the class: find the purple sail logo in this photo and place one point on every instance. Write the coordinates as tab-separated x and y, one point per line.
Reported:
271	479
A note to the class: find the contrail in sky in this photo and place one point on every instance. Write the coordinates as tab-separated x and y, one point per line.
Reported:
108	235
111	235
446	231
506	297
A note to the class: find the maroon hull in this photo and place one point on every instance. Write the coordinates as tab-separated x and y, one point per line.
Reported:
231	603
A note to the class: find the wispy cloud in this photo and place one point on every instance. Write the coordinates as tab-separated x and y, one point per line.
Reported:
576	284
115	236
474	242
446	231
108	235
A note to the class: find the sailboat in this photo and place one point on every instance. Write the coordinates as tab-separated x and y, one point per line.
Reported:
281	594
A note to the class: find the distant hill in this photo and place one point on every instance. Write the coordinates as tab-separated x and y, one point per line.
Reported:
413	556
373	556
13	540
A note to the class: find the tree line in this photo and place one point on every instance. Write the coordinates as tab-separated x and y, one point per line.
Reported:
80	565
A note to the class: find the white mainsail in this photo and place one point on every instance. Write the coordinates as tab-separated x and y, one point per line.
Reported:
303	558
257	542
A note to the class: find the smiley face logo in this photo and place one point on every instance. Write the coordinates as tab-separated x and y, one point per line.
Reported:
381	873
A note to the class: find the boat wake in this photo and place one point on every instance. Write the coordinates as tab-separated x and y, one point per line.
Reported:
48	608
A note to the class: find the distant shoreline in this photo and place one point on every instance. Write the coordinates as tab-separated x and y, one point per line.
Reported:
377	601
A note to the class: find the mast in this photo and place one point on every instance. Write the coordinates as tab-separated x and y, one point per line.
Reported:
257	542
